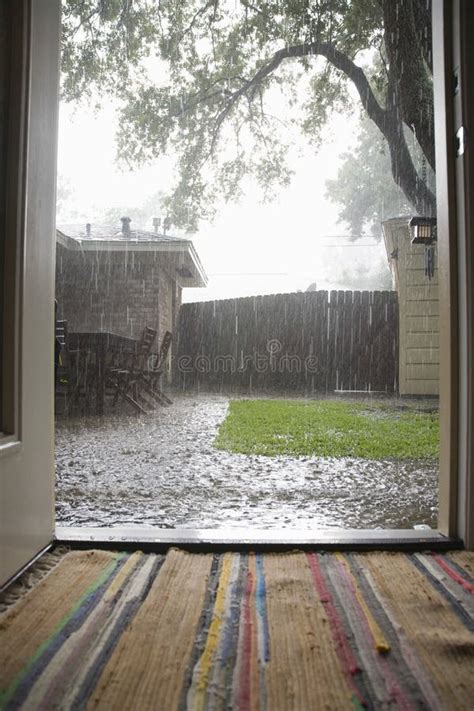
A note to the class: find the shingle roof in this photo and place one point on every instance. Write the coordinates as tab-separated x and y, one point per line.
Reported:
111	232
109	238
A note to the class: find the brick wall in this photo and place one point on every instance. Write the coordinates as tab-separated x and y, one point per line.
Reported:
119	292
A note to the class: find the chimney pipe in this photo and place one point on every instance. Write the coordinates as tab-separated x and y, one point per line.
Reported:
156	224
126	225
88	229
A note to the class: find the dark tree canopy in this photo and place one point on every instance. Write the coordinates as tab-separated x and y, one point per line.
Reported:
219	63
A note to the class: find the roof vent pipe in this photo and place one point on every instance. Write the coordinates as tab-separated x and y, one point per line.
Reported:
156	224
88	229
126	225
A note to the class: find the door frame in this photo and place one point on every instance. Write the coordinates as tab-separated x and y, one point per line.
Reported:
463	119
18	22
27	437
453	58
447	267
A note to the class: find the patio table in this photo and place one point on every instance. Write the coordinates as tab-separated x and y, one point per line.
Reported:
102	345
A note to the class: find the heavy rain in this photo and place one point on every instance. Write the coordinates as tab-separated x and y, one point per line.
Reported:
246	266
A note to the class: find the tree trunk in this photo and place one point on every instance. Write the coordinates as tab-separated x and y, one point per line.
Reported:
409	74
405	174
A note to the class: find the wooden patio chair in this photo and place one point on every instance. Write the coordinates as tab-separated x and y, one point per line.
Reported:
150	378
126	378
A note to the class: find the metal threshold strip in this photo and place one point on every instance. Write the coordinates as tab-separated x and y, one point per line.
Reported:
242	539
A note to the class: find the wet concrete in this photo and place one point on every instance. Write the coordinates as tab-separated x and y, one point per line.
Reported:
162	470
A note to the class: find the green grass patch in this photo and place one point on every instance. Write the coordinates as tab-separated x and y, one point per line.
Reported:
328	429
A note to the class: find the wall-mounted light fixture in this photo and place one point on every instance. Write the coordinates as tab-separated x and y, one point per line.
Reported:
423	230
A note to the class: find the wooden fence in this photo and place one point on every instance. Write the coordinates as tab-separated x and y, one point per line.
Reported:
312	341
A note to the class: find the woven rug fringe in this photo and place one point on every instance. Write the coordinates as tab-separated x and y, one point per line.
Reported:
31	577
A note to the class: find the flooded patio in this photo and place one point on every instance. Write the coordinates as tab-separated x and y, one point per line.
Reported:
162	470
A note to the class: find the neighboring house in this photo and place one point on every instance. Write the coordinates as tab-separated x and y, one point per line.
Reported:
121	280
418	310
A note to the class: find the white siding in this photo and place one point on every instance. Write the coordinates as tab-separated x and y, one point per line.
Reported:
419	312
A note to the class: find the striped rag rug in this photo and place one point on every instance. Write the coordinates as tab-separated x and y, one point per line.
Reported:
277	631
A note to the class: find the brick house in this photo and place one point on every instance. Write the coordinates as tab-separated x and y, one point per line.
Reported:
120	280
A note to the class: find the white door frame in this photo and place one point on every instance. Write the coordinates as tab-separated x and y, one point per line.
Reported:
27	440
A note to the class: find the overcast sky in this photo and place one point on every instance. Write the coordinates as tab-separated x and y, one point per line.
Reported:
251	248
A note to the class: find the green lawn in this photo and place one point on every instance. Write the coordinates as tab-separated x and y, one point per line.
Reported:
328	429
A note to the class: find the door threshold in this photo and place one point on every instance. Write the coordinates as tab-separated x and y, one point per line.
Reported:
218	539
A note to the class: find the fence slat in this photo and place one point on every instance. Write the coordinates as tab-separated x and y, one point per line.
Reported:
377	331
346	370
355	336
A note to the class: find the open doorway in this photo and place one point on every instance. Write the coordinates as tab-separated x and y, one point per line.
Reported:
299	387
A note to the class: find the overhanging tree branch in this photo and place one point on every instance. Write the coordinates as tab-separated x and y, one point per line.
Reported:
213	59
387	121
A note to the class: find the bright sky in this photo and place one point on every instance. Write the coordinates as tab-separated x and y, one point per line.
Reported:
251	248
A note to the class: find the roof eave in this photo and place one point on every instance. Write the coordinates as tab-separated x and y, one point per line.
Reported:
67	242
200	280
198	265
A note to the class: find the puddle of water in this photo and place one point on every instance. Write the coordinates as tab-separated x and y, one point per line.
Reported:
163	471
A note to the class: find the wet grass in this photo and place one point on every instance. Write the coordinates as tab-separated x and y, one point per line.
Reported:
329	429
